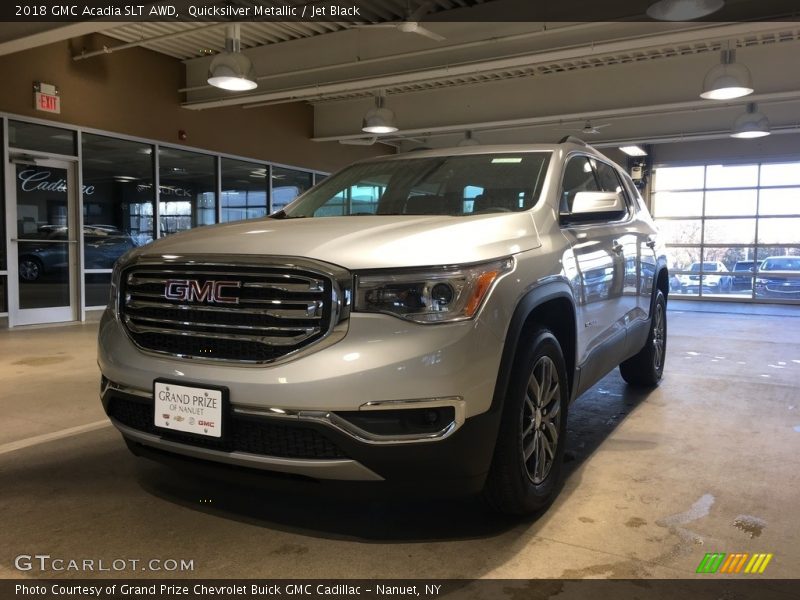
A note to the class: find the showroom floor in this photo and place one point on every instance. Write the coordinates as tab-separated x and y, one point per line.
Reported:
708	462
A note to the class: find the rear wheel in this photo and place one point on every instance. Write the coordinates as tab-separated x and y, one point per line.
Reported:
526	467
646	368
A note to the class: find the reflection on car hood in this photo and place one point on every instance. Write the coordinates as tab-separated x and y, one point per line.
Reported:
363	242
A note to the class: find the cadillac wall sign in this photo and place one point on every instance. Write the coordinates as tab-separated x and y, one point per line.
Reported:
33	180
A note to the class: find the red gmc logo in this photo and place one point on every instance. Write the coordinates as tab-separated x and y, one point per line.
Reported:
191	290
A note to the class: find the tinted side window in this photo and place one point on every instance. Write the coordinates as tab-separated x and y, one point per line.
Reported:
610	181
578	177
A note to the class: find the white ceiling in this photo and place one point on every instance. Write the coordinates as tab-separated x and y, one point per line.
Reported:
506	82
522	82
188	40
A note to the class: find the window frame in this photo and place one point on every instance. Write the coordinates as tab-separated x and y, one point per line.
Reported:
756	251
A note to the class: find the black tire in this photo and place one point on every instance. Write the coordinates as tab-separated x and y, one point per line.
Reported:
510	486
30	268
645	368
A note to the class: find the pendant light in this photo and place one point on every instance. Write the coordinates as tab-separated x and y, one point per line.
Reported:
683	10
728	79
230	69
752	124
379	119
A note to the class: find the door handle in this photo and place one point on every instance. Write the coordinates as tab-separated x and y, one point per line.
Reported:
616	246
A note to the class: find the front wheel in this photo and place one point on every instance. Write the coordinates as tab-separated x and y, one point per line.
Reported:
647	366
30	268
526	467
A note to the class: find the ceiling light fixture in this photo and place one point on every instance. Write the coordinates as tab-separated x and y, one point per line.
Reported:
379	119
634	150
232	70
468	140
683	10
728	79
752	124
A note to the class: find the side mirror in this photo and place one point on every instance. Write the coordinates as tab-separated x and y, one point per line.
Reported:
590	206
586	203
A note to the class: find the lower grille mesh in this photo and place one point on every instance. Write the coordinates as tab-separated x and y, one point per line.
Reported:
242	434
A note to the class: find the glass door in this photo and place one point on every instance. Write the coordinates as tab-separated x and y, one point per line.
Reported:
43	263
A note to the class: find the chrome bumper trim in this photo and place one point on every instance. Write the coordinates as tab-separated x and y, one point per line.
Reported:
331	419
110	385
340	469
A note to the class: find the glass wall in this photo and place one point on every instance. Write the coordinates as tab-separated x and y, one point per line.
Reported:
119	195
118	206
187	190
245	190
733	231
288	184
42	138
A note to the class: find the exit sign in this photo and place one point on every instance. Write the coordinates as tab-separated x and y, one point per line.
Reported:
46	98
48	103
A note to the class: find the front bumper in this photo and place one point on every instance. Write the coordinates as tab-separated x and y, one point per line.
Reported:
382	363
313	449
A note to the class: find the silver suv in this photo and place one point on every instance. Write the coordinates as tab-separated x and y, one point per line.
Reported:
421	320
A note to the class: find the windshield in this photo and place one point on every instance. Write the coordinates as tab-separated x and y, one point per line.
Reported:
455	186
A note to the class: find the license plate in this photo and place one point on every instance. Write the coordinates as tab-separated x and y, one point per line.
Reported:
188	409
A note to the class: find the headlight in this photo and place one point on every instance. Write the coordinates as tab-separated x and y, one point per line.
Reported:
114	288
434	295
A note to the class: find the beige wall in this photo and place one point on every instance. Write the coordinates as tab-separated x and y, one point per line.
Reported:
135	92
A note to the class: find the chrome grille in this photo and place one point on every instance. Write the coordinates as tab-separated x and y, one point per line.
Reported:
265	313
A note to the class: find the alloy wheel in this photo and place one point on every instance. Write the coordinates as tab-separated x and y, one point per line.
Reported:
659	337
29	270
541	420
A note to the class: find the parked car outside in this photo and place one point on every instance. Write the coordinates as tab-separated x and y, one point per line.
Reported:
711	282
744	282
779	277
103	245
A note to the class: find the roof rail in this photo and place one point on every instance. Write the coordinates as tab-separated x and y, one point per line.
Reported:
572	139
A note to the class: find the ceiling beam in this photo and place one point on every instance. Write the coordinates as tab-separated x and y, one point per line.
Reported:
616	113
319	90
54	32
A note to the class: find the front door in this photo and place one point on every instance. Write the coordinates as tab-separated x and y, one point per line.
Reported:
43	260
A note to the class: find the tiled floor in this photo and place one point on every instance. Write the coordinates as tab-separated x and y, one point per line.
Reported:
708	462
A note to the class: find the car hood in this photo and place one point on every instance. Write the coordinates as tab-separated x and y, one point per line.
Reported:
362	242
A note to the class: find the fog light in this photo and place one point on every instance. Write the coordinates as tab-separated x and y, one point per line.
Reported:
400	422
